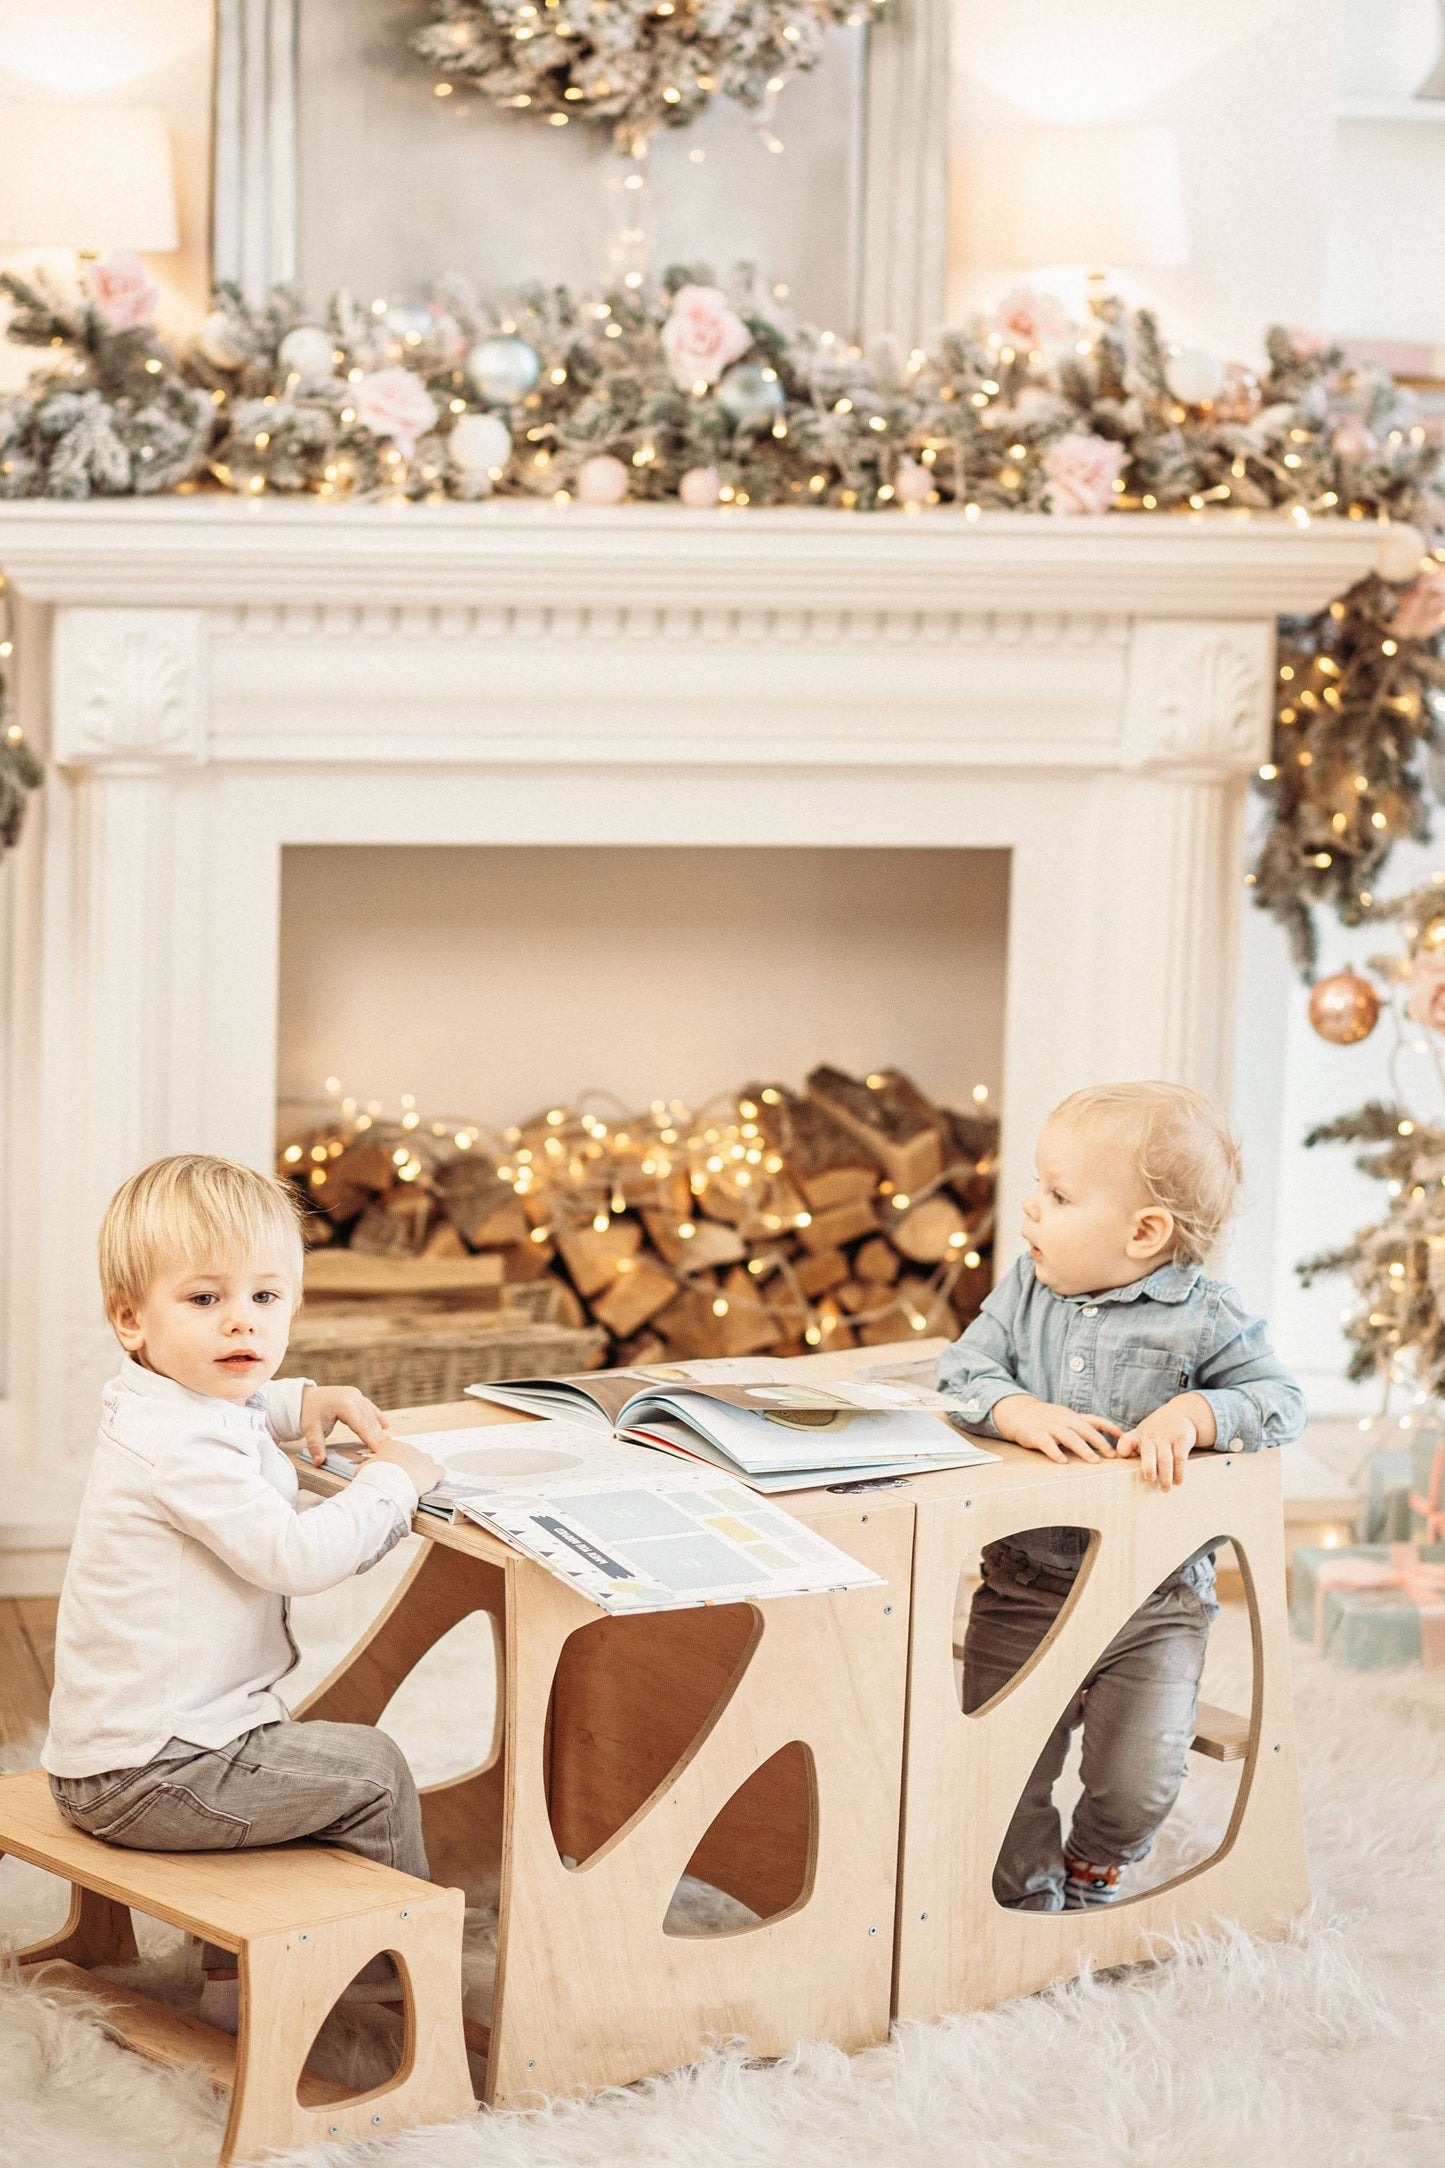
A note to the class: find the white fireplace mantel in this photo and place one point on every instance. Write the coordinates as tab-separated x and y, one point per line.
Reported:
213	680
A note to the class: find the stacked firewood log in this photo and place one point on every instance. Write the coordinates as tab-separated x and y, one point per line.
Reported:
857	1211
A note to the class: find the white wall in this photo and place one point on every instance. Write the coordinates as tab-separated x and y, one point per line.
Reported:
494	982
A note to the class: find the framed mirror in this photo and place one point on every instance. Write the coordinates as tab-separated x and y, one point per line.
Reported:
337	164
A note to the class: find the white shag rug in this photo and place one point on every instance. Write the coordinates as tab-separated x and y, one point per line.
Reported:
1320	2052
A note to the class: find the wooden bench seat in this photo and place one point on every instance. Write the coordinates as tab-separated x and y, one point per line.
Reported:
303	1920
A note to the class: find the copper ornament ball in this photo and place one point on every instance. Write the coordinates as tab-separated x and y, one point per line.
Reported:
1344	1008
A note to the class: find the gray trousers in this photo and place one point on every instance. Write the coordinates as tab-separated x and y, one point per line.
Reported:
343	1784
1136	1706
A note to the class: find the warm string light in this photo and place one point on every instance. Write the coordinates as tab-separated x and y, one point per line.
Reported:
585	1168
636	71
1358	688
20	771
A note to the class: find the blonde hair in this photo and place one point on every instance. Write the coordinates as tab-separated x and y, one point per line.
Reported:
1187	1160
191	1209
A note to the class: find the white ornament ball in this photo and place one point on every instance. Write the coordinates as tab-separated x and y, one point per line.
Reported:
218	342
502	368
1194	375
479	444
601	480
912	482
308	352
1398	550
699	488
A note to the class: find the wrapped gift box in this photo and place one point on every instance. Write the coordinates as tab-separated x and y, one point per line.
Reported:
1392	1477
1401	1480
1372	1605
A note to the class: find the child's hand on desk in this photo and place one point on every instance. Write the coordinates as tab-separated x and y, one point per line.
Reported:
1053	1431
1164	1440
324	1406
425	1472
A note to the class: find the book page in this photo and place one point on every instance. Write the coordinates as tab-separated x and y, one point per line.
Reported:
631	1529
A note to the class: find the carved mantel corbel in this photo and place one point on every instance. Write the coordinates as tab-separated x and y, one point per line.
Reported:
1199	698
130	689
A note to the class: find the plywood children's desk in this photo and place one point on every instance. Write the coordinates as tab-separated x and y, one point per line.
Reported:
810	1757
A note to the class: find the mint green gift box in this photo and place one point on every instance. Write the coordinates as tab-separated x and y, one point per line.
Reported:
1369	1629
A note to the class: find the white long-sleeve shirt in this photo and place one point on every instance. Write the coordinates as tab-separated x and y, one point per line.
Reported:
173	1613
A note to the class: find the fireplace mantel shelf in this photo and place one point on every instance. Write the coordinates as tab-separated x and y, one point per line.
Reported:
203	551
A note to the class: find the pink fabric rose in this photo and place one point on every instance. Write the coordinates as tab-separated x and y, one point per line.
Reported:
394	403
122	292
1028	319
1082	472
701	336
1420	611
1427	999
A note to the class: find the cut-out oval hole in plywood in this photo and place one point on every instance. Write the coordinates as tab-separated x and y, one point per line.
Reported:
757	1857
346	2058
632	1700
1006	1561
445	1715
1114	1782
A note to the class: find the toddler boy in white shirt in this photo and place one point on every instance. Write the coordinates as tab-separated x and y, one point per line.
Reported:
166	1730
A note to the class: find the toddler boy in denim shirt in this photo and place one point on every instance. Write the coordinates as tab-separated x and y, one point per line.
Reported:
1105	1340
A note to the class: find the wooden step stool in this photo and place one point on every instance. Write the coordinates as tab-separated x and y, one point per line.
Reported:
958	1949
302	1919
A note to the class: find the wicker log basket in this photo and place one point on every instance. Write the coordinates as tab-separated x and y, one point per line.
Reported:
412	1355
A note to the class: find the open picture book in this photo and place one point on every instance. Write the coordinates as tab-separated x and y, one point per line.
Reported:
756	1420
630	1529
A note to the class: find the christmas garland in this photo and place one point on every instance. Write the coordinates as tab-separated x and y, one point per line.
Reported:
635	65
716	397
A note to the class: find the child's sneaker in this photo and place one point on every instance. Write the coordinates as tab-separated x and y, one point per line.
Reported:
1087	1885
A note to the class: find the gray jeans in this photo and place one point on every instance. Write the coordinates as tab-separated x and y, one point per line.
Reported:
342	1784
1136	1706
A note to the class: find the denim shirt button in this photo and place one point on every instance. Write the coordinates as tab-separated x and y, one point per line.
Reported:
1076	1362
1091	1309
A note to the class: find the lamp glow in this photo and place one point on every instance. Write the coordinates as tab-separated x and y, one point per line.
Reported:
89	177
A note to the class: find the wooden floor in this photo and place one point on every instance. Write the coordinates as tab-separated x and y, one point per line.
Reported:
27	1651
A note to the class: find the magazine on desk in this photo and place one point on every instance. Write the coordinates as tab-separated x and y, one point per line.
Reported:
756	1420
632	1530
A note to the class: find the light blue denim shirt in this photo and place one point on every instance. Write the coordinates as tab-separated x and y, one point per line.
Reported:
1122	1353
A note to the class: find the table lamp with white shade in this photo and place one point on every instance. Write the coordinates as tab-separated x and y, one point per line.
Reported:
1099	198
93	178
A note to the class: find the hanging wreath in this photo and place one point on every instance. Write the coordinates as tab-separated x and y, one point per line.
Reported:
633	65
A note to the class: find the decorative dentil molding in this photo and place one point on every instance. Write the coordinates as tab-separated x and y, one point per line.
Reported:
1199	695
1047	632
130	687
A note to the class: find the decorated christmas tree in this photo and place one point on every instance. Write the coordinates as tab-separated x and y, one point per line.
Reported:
1396	1320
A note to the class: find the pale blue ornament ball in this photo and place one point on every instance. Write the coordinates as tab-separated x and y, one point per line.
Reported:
750	393
502	368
